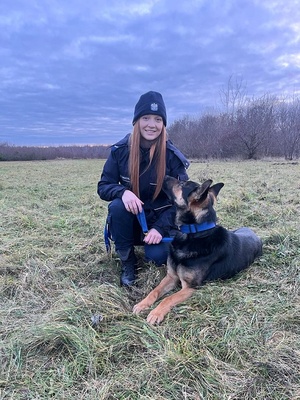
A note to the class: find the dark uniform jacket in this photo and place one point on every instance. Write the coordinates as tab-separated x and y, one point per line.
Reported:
160	213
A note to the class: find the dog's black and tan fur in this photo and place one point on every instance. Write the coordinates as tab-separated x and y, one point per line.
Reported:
197	258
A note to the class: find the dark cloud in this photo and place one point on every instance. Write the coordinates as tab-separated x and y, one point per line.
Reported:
71	72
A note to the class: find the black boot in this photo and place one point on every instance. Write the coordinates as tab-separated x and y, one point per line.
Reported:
128	266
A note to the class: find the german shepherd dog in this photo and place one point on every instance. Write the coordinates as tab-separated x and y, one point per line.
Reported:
201	251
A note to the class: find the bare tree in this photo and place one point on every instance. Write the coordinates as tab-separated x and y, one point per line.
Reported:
183	133
288	123
234	95
253	124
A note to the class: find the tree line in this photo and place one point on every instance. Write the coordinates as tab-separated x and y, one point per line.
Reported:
247	128
29	153
256	128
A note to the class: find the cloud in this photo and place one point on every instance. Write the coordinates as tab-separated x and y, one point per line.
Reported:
73	71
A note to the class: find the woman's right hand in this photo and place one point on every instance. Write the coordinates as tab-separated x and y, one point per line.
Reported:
131	202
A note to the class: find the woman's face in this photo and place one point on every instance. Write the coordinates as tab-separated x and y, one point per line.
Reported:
151	126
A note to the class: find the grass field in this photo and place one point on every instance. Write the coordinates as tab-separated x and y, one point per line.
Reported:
233	340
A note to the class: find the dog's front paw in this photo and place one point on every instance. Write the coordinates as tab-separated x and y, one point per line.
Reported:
156	316
140	307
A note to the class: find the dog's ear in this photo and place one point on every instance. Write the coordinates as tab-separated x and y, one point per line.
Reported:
215	189
202	190
188	188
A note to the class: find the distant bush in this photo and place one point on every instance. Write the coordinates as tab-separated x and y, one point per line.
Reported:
29	153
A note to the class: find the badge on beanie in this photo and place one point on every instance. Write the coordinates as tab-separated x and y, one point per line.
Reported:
154	107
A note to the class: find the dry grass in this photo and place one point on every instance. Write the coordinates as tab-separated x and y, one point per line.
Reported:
233	340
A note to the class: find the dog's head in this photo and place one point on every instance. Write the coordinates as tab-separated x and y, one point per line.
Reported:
194	201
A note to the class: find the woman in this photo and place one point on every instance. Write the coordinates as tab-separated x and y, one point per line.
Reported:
132	180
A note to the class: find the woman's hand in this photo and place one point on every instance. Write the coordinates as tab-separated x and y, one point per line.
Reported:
131	202
153	237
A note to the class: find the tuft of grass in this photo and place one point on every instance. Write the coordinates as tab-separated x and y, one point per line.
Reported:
66	326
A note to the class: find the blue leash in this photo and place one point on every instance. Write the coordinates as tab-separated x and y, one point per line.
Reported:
142	220
192	228
107	237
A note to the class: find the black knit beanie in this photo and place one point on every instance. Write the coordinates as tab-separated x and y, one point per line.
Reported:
150	103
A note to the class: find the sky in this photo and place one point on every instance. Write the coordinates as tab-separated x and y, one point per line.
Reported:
71	71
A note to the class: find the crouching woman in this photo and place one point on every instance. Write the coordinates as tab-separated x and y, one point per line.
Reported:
132	180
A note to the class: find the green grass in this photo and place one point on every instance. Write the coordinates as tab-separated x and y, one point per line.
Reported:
232	340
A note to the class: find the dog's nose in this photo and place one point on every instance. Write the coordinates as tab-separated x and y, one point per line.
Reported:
168	179
168	184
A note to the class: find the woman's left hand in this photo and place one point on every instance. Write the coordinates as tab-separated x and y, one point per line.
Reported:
153	237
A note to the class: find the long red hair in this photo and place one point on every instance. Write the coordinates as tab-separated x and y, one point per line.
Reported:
157	155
